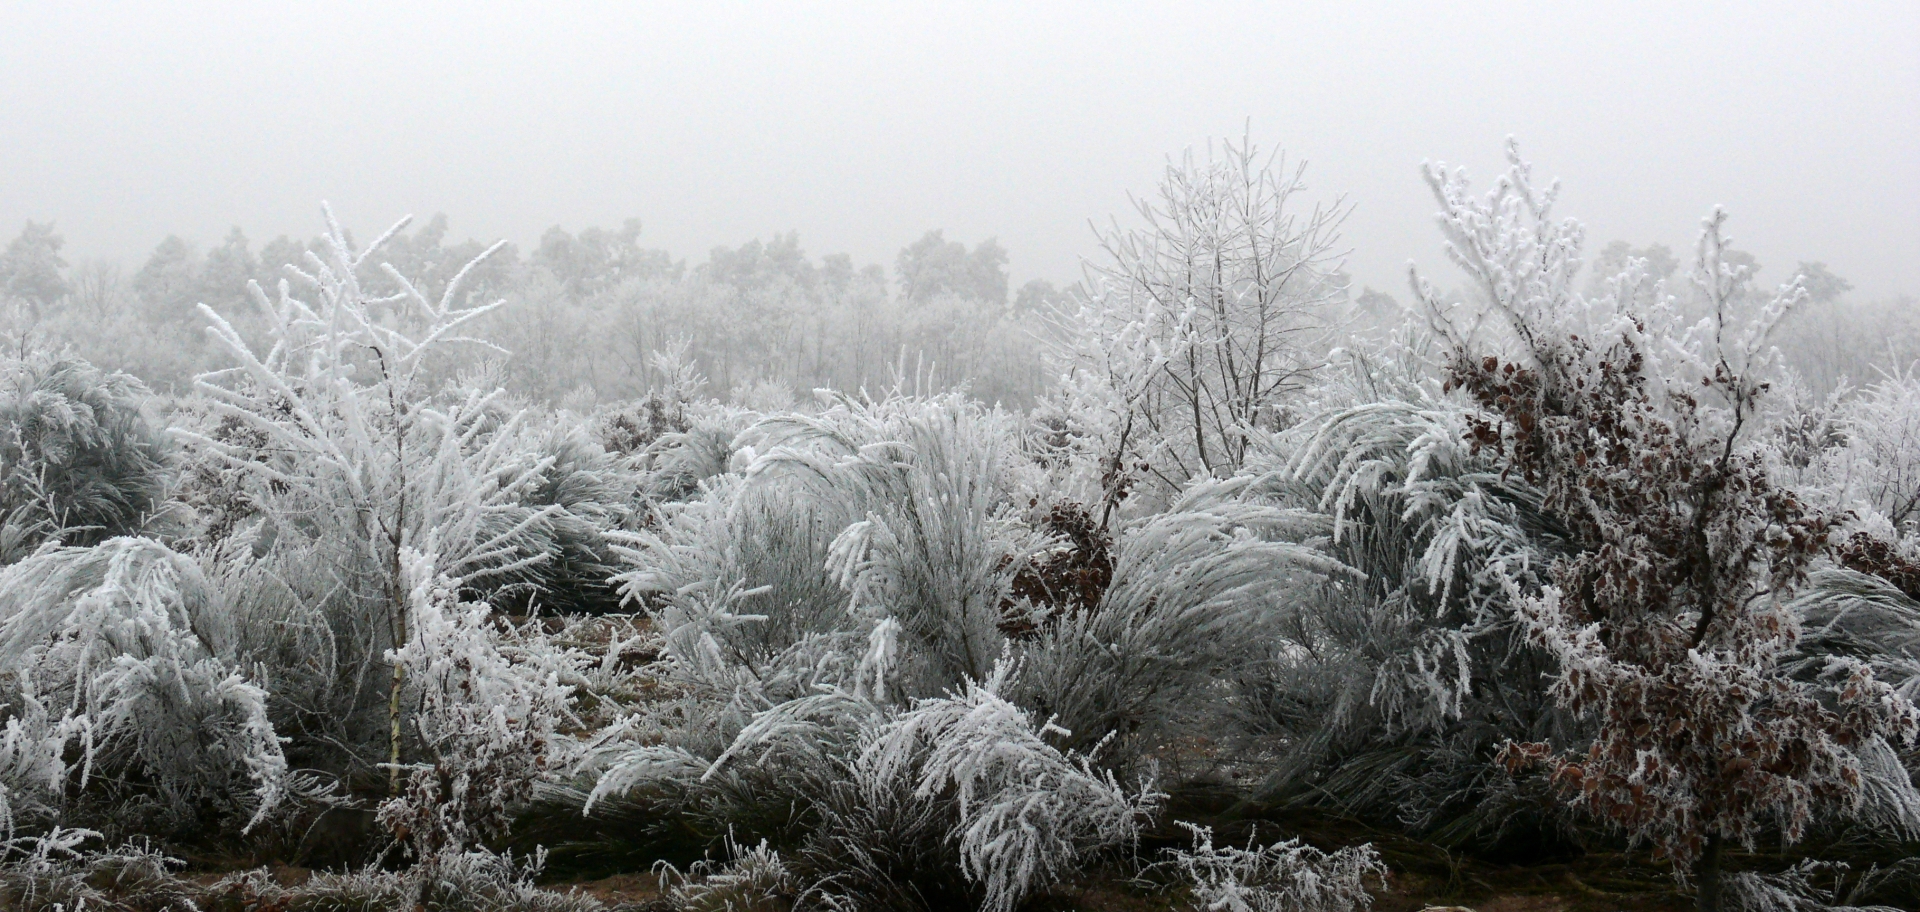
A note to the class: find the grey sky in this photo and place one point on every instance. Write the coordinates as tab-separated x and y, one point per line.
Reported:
862	126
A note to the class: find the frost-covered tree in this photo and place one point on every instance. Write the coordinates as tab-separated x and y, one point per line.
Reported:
1223	296
338	432
1672	617
31	267
934	266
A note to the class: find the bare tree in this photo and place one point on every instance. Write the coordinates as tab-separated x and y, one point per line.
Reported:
1235	287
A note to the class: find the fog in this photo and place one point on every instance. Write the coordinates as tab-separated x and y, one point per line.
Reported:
944	457
862	127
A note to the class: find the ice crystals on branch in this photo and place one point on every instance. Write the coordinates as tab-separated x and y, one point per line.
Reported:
1672	617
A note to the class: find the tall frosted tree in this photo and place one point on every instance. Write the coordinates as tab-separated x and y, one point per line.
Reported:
344	439
1196	326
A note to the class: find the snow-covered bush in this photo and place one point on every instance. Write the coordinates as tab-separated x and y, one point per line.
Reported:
344	447
489	726
749	880
963	789
81	458
1671	617
134	651
1287	876
1387	690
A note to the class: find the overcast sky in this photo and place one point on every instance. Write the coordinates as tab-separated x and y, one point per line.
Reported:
862	126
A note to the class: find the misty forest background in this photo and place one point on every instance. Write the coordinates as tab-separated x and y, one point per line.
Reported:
434	565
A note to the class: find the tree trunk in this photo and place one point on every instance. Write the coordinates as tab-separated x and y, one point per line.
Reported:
398	594
1706	875
395	688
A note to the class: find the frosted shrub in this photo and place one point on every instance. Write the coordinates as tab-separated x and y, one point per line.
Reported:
132	646
1671	618
771	583
1389	688
1027	812
452	882
81	460
341	442
33	768
968	779
55	875
750	880
586	493
488	725
1286	876
1875	466
1193	593
933	537
1797	890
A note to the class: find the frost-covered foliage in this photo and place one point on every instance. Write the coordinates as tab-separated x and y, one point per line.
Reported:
349	457
453	882
749	880
585	492
1859	615
924	653
81	457
894	529
1197	326
123	655
55	874
965	784
1391	686
1287	876
774	579
1187	587
33	768
1864	452
1026	811
343	422
1809	886
488	725
1671	618
929	489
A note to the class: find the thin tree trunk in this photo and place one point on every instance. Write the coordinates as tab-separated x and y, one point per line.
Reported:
399	677
1706	875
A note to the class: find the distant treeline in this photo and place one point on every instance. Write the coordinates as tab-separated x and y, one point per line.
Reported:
764	320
